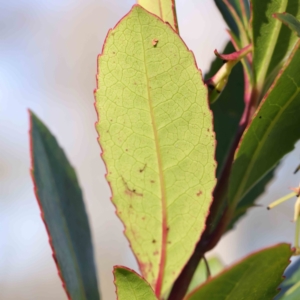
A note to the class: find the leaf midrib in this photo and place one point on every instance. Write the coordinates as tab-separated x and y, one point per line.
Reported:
161	180
65	226
242	184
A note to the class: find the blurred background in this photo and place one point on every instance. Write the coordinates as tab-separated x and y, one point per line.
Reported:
48	52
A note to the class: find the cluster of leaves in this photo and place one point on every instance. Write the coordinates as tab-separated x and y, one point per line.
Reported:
182	165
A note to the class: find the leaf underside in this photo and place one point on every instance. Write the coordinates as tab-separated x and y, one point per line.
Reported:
131	286
255	277
64	214
275	126
155	130
272	42
165	9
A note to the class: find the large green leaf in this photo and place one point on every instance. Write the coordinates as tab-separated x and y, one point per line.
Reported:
275	126
228	109
64	214
255	277
131	286
155	130
165	9
272	42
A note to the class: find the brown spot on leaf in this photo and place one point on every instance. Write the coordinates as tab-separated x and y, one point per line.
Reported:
154	42
153	241
199	193
131	192
155	252
143	169
152	181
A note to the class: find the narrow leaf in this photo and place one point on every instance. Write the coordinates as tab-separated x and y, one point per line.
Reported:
131	286
165	9
228	110
200	276
63	211
275	126
156	133
290	21
272	42
255	277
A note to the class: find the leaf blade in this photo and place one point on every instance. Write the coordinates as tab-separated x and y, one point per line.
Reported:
63	212
163	189
165	9
274	125
131	286
255	277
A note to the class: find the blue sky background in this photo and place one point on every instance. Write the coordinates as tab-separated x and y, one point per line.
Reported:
48	52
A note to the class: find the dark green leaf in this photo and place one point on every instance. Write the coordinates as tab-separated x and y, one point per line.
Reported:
255	277
63	212
275	126
228	109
